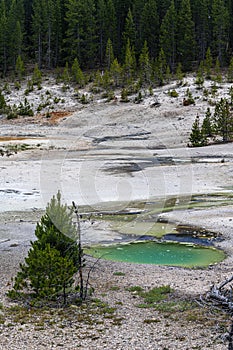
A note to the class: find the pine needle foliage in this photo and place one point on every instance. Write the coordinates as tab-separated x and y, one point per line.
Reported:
53	258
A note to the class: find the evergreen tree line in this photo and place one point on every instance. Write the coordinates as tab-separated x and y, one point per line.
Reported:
97	32
214	125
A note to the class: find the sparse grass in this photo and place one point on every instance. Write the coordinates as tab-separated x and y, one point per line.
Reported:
114	288
93	312
152	320
137	289
118	273
162	299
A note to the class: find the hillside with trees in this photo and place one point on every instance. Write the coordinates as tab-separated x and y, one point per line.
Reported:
152	34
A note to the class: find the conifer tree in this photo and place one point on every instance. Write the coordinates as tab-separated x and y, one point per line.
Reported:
77	73
179	73
186	45
207	128
109	55
208	63
201	17
200	75
196	137
37	76
3	37
145	65
19	67
102	33
230	71
81	31
129	33
217	69
66	74
130	63
53	258
38	28
116	72
223	120
168	35
220	28
150	27
111	23
15	18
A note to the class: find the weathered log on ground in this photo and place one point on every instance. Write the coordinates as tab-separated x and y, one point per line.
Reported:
222	295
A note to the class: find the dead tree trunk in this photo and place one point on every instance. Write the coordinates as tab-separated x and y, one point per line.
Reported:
224	297
230	346
80	251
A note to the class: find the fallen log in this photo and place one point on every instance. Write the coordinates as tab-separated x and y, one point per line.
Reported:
222	295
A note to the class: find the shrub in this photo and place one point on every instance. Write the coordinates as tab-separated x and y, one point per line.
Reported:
173	93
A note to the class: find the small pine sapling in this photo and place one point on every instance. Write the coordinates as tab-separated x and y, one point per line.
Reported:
196	137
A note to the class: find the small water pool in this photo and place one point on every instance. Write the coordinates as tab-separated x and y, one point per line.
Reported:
165	253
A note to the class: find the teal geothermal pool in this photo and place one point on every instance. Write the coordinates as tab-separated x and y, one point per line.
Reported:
171	254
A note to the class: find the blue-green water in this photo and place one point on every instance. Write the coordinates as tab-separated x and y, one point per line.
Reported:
171	254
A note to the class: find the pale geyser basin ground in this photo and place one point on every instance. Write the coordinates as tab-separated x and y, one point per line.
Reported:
148	159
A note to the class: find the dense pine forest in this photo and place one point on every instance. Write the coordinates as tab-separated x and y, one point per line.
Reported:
156	35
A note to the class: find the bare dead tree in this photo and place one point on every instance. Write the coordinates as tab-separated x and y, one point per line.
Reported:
223	295
80	251
230	337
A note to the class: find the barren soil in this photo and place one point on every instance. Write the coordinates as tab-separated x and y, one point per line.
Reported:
108	156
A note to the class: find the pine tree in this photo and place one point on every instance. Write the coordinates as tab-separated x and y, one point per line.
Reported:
19	67
121	10
81	32
38	28
130	63
66	74
129	32
3	37
77	73
220	28
101	28
150	27
53	258
15	19
208	63
196	137
207	128
201	17
109	55
47	31
116	72
186	45
223	120
179	73
200	75
111	23
168	35
37	76
230	71
137	6
145	65
218	75
160	68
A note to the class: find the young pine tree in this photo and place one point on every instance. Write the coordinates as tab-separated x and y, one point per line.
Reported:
208	63
145	65
230	71
223	120
207	128
53	258
19	67
196	137
77	73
